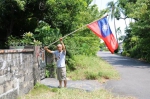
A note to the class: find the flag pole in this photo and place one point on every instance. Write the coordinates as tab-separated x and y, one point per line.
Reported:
76	30
98	19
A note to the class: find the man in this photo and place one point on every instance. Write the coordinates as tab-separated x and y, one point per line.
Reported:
60	55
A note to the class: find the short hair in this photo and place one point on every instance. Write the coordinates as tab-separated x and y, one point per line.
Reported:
59	45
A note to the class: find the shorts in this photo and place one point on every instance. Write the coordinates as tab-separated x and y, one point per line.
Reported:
61	73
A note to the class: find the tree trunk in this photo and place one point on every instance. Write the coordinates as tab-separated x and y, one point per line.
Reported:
115	29
125	23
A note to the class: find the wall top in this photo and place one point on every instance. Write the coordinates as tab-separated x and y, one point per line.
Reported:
2	51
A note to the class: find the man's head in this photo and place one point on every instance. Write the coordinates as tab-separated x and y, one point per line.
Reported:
59	47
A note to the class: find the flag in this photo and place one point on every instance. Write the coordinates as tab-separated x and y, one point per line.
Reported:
102	29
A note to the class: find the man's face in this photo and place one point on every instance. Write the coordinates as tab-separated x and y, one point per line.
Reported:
59	47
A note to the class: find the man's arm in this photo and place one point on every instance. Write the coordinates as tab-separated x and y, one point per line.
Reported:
46	49
63	46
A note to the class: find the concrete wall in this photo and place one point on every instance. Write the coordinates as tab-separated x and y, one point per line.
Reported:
19	71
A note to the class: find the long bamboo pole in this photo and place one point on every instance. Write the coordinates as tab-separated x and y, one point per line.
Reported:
77	30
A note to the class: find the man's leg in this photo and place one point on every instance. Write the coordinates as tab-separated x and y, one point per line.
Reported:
60	83
58	77
65	83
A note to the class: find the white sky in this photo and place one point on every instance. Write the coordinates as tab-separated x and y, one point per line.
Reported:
102	4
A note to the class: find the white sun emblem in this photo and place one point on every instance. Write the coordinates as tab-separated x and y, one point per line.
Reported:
105	27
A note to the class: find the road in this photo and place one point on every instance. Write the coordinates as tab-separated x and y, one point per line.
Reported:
134	76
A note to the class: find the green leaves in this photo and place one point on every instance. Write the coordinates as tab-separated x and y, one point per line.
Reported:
137	40
21	4
82	45
46	34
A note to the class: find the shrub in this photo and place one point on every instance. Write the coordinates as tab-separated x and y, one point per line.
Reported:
47	73
91	67
105	74
128	54
91	75
50	70
135	52
82	45
79	46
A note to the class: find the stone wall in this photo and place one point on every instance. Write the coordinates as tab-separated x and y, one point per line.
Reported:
19	71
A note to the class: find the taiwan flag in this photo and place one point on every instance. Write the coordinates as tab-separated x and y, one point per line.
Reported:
102	29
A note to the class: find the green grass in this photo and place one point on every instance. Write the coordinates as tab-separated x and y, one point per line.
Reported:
86	68
92	67
43	92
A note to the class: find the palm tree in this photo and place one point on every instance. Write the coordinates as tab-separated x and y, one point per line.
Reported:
120	14
112	7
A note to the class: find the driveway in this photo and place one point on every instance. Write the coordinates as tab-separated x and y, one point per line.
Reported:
134	76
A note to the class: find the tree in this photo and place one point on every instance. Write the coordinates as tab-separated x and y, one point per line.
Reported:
18	17
112	9
138	37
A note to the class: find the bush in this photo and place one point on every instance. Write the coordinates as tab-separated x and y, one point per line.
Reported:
79	46
135	52
82	45
125	53
105	74
91	67
50	70
91	75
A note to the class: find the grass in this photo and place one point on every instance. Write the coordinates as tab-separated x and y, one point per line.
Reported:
93	68
86	68
43	92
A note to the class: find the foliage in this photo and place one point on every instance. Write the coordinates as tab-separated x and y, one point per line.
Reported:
18	17
13	41
27	39
50	70
78	45
91	75
82	45
136	41
112	9
47	73
91	67
64	14
46	34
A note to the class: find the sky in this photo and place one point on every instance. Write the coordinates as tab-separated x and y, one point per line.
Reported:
102	4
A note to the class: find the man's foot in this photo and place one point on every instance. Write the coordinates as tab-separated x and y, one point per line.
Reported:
65	86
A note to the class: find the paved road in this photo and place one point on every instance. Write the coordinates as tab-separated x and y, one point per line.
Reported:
135	76
87	85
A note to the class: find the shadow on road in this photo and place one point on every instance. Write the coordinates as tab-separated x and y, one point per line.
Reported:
118	60
134	76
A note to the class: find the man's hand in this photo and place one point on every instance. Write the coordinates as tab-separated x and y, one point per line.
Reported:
61	39
45	47
63	46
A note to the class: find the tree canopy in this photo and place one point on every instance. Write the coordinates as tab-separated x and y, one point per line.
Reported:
137	34
20	16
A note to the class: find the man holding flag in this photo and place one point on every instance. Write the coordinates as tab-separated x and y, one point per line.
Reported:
101	29
60	55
